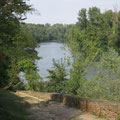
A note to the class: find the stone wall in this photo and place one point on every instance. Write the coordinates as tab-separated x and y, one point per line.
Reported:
100	107
109	109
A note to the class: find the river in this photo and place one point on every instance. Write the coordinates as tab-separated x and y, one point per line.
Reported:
49	51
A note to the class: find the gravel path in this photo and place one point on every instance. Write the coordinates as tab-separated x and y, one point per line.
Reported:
42	109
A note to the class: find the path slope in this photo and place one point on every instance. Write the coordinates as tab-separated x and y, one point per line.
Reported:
42	109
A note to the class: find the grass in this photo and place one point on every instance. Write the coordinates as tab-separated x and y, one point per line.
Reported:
100	116
118	118
12	107
77	118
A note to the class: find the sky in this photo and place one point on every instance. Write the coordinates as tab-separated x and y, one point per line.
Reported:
65	11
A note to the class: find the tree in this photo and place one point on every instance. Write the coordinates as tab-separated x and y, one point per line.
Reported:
15	44
105	83
47	32
95	35
57	78
82	19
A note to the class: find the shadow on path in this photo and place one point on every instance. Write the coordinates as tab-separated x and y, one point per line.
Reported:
45	109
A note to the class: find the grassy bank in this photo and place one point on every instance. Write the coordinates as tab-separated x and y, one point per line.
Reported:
12	107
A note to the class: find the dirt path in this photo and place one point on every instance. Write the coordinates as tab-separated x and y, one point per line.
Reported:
51	110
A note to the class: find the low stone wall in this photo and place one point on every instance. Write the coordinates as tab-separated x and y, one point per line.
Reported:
109	109
100	107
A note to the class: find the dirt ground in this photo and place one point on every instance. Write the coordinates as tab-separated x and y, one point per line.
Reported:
42	109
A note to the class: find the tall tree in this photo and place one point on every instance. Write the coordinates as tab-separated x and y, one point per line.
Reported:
82	18
15	45
95	33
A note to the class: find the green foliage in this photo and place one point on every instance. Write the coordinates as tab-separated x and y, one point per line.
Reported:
82	19
100	116
109	74
32	77
16	45
77	118
77	78
57	78
47	32
94	43
118	118
38	86
105	83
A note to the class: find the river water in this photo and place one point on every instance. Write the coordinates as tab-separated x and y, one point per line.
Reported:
49	51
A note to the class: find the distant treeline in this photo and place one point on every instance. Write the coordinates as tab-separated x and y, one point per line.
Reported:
47	32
